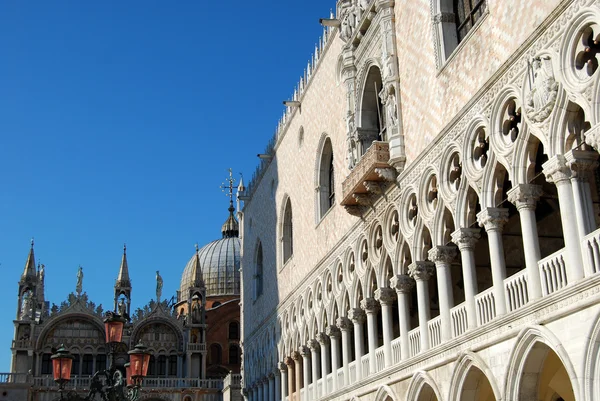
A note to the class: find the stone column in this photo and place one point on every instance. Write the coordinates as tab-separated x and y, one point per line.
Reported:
493	219
386	296
358	317
421	272
305	352
291	377
260	388
334	335
403	285
297	373
314	363
324	342
559	173
278	383
272	386
345	326
582	163
371	307
525	197
465	239
283	368
443	256
203	358
188	364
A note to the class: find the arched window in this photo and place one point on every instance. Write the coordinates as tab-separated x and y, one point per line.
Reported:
87	366
326	183
288	232
215	354
46	364
258	273
372	114
162	365
234	354
234	331
75	365
453	19
173	365
100	362
152	366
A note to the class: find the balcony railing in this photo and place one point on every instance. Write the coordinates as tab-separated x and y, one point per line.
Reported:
517	294
486	306
196	347
553	272
414	341
396	350
435	331
591	245
83	382
380	358
459	319
366	179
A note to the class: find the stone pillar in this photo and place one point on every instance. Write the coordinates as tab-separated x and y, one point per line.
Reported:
345	326
324	342
421	272
283	368
314	363
203	358
403	285
297	373
291	378
582	163
386	296
305	352
334	335
278	382
188	364
260	388
493	219
271	386
525	197
559	173
371	307
358	317
443	256
465	239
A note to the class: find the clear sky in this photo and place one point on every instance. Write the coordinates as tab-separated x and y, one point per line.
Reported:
118	123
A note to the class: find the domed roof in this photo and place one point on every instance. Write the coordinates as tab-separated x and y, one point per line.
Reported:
219	263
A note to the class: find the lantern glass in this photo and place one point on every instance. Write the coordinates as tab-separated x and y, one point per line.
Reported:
62	361
139	361
114	330
128	374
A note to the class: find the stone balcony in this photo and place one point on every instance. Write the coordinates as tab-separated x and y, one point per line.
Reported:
368	180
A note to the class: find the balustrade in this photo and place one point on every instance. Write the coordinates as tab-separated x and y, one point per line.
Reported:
486	306
553	272
414	341
591	243
517	294
459	319
365	365
435	331
396	350
380	359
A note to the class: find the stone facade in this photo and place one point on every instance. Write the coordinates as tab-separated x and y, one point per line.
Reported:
459	258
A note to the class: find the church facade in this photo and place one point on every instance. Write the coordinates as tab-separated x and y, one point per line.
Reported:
193	339
424	224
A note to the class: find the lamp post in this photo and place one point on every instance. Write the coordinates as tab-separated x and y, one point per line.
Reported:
107	383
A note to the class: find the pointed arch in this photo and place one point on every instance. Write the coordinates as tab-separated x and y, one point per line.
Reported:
464	364
385	393
591	369
419	381
324	177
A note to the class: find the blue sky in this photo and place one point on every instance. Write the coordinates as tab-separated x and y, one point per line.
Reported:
118	123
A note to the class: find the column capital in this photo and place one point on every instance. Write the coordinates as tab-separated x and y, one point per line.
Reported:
289	361
385	295
421	270
525	196
357	315
271	375
344	323
493	218
295	356
282	366
581	162
556	170
313	345
369	305
402	283
322	339
466	238
333	331
304	351
442	254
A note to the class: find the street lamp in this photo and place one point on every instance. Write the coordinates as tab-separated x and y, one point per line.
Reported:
107	383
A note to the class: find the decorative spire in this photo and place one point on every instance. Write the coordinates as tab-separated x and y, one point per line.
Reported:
123	280
30	271
197	270
230	228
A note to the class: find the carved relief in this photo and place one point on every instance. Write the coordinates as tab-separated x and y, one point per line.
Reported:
543	90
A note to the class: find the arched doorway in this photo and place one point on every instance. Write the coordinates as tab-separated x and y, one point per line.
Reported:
476	387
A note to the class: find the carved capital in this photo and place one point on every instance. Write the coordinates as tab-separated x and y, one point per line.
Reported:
525	196
304	351
313	345
385	295
322	339
402	283
344	324
289	361
357	315
466	238
296	356
369	305
421	270
581	163
282	366
333	331
556	170
442	254
271	375
386	173
493	218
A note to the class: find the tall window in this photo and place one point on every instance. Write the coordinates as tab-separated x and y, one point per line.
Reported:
173	365
234	331
46	364
234	354
152	366
258	274
467	13
288	232
100	362
87	366
162	365
215	354
326	182
75	365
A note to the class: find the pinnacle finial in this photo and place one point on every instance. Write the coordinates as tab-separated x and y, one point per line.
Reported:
124	248
227	186
32	242
197	249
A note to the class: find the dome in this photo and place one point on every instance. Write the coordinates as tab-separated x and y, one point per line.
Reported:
219	263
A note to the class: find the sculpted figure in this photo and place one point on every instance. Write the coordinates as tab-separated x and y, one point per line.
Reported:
159	286
79	286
